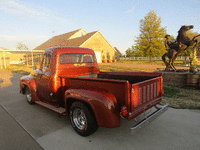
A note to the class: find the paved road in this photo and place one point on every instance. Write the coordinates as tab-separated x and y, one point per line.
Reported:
25	126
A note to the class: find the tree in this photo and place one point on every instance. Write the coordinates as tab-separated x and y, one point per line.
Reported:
150	42
129	52
198	49
21	46
187	52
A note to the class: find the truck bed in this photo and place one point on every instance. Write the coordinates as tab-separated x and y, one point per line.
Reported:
132	77
135	90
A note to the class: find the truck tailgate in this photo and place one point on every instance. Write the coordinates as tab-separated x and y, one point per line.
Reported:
145	95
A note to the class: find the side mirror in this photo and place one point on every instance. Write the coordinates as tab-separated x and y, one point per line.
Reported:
34	67
37	71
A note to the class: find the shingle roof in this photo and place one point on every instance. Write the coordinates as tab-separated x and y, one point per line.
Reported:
62	40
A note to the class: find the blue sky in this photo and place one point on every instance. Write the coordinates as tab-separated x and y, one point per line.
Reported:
32	22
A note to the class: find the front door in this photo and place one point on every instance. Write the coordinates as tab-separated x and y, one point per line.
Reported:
44	79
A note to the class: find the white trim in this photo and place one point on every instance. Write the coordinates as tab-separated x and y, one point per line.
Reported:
98	56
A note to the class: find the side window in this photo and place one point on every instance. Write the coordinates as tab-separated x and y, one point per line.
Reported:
66	59
88	58
46	63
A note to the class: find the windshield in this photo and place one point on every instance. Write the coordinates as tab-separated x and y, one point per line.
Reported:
76	58
45	67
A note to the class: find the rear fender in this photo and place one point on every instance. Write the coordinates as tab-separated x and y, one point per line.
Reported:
102	102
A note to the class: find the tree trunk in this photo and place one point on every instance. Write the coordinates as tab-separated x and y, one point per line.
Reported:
150	59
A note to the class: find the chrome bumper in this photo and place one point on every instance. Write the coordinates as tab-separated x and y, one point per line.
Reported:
149	118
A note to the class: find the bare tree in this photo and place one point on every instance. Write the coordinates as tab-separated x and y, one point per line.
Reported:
21	46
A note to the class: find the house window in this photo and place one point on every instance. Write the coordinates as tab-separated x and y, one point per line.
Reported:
108	55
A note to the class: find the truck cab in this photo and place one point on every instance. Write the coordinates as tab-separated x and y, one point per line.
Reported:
62	61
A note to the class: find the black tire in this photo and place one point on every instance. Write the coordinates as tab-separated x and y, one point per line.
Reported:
28	96
82	119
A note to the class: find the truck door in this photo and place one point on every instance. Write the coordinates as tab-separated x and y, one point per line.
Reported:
44	79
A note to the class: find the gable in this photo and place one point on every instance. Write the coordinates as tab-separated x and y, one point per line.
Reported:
80	33
78	41
98	43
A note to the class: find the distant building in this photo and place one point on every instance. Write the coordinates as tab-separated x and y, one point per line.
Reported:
80	38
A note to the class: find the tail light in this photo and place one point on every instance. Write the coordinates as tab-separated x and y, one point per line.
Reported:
163	93
124	111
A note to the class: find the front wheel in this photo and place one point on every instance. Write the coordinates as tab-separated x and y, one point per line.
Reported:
28	96
82	119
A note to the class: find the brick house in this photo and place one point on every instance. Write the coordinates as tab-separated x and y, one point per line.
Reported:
80	38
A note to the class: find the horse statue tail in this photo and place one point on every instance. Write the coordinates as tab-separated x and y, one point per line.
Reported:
195	37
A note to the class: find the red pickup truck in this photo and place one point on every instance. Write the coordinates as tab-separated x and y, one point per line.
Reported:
69	82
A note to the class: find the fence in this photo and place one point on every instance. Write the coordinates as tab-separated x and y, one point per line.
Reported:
20	57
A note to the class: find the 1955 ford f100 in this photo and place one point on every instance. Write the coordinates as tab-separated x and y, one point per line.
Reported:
69	82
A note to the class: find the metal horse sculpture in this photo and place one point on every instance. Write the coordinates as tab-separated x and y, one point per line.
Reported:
181	44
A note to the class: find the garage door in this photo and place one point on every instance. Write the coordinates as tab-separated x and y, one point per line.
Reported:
98	56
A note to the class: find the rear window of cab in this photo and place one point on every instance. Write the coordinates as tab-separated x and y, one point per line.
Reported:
76	58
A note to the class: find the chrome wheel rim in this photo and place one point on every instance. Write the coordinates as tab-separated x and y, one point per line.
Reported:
79	119
28	95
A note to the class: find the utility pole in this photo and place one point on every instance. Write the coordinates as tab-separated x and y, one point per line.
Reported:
1	61
32	58
4	59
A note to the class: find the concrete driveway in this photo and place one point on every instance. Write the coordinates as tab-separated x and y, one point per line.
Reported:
25	126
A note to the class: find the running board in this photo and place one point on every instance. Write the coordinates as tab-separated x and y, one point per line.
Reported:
59	110
149	119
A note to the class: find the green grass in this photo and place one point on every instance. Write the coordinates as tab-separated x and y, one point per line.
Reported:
22	69
178	62
181	97
172	91
21	72
110	68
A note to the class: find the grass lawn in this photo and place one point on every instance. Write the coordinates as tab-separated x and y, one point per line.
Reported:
110	68
181	97
178	62
22	69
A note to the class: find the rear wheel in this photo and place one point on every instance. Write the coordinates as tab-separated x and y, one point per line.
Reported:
28	96
82	119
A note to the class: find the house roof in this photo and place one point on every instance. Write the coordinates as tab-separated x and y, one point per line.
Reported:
56	40
117	50
62	39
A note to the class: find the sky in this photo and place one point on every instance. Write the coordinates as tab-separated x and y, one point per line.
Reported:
32	22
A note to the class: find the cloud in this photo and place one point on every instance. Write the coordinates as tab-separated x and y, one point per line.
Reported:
7	37
32	41
130	10
19	8
24	37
